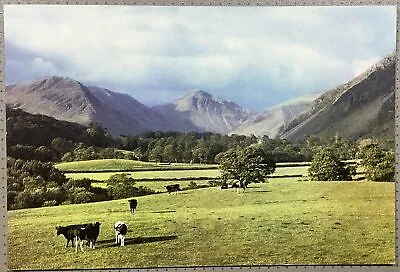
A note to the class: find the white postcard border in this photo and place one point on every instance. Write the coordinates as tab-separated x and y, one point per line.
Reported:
288	268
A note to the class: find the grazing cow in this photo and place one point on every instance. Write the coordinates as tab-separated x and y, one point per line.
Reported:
120	231
68	233
132	205
240	184
89	232
173	188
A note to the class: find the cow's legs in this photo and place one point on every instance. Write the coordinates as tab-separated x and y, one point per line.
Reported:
116	238
122	240
76	244
80	244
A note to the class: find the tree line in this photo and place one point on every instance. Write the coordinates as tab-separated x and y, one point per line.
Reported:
377	163
33	184
42	138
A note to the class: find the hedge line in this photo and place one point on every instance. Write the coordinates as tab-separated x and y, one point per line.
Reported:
139	169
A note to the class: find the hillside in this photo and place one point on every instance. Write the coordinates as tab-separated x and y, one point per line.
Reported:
271	121
69	100
362	107
200	111
39	130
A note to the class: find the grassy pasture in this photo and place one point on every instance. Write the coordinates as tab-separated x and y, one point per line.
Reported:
122	165
284	221
158	186
209	173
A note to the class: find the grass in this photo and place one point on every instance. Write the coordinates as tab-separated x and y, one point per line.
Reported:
158	186
208	173
284	221
104	164
121	165
173	174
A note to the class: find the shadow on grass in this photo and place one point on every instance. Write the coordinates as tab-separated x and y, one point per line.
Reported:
137	240
262	191
163	211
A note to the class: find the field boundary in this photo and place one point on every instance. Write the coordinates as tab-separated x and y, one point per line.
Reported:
138	169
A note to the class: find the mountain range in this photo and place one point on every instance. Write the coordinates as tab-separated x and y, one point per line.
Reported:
362	107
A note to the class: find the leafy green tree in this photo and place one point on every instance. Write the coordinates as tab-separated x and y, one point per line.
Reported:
379	165
249	164
385	169
156	153
77	195
30	198
327	166
121	186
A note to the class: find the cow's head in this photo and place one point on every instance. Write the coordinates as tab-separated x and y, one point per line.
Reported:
59	230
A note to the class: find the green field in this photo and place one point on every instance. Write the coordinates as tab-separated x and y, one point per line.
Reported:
157	186
172	174
284	221
122	165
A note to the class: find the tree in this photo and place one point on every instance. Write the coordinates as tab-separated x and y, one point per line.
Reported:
121	186
327	166
246	165
379	165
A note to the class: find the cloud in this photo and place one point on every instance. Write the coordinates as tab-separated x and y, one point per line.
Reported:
256	56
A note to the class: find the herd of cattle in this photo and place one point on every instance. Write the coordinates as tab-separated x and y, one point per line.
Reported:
90	231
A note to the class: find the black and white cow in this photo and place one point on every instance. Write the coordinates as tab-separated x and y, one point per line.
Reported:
132	205
173	188
120	231
80	232
240	184
89	232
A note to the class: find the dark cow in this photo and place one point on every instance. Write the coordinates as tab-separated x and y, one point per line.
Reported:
132	205
120	231
79	233
223	186
89	232
173	188
68	233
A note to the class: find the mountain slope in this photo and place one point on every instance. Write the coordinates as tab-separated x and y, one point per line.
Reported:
362	107
69	100
200	111
271	121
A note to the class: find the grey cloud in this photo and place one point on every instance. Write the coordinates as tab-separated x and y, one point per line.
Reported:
258	57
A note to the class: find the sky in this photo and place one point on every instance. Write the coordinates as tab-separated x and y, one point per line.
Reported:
256	57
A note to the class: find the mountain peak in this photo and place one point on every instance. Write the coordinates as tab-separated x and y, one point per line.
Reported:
200	96
54	79
68	99
204	112
196	93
